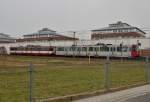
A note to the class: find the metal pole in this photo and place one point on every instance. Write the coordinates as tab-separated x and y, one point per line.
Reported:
107	73
74	35
121	52
146	69
74	43
30	82
89	59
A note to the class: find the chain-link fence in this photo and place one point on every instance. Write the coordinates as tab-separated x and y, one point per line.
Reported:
27	79
13	80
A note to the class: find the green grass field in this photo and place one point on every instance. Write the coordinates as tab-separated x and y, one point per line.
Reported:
62	76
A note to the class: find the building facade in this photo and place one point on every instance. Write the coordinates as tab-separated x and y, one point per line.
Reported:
117	30
45	32
44	35
4	38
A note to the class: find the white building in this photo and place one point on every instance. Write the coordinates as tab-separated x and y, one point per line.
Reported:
45	32
45	35
117	30
4	38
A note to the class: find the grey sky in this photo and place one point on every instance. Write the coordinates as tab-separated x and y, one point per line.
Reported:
18	17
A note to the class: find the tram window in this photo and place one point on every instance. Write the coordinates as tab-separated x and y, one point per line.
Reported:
66	48
134	48
91	49
106	48
28	48
96	49
84	49
20	48
78	49
125	49
72	49
130	49
46	48
36	49
13	48
32	48
60	49
113	49
118	49
42	49
50	49
101	48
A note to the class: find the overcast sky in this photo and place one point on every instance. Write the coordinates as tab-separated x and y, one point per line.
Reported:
18	17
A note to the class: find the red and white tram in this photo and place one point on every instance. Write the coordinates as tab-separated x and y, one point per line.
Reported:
100	50
32	50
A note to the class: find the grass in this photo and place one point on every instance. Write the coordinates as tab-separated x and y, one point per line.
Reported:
62	76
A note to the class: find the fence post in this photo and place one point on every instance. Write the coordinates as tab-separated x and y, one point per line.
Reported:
146	69
107	74
89	58
30	82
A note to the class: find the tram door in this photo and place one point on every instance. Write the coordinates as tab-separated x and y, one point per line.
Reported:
66	50
78	51
96	51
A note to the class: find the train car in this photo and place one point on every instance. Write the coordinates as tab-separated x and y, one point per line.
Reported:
99	51
32	50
